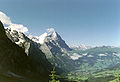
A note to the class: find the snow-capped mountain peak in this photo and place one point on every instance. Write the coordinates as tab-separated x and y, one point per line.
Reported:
50	34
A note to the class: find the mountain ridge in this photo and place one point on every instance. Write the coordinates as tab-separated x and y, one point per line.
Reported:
14	59
53	49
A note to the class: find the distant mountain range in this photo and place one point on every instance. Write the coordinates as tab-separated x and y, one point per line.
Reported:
80	47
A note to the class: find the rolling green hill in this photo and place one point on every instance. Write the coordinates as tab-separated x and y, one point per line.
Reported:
99	63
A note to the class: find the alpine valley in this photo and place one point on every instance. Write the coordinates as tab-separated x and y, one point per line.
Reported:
29	58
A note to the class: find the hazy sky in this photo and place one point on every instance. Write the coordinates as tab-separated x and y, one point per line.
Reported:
90	22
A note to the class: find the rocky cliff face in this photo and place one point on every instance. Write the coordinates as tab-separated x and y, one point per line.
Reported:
56	50
13	58
51	43
55	44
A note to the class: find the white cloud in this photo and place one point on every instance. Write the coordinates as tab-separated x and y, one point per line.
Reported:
50	30
84	54
6	20
102	55
75	56
18	27
90	56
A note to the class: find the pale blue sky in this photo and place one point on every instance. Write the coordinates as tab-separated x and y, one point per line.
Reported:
91	22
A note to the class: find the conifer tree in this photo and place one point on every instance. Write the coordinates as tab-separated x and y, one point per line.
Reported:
53	76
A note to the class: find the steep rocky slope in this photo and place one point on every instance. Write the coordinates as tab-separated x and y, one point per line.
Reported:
51	44
13	59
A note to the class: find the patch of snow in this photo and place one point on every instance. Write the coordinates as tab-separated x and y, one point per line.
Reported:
54	35
33	38
39	39
42	38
